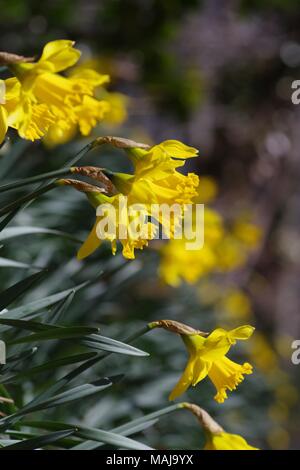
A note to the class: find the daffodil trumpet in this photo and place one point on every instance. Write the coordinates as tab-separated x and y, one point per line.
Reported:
216	437
208	357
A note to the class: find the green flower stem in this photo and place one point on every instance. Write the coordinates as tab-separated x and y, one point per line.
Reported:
149	417
35	179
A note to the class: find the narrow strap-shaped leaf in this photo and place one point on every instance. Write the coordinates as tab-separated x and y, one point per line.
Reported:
25	324
108	344
10	263
16	151
55	387
27	198
5	221
12	361
13	292
56	333
13	232
76	393
133	427
38	442
91	445
51	365
61	308
38	305
92	434
34	179
110	438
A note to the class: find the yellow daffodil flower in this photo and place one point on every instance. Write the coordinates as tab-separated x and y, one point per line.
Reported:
226	441
216	437
151	184
157	181
47	98
155	178
207	357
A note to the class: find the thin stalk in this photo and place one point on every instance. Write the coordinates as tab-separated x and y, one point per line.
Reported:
34	179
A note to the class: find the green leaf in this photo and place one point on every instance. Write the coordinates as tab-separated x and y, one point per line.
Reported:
112	345
128	427
64	398
51	365
109	438
133	427
10	160
34	179
61	308
12	293
92	434
10	263
12	361
13	232
90	445
5	221
25	324
56	333
17	203
38	442
38	305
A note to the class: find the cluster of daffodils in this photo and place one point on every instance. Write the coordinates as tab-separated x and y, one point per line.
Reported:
40	102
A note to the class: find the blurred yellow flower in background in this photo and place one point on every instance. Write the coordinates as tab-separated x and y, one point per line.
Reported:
221	252
236	304
177	263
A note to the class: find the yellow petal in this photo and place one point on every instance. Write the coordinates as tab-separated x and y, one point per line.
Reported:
90	76
90	245
60	54
226	441
3	123
242	332
177	149
184	381
200	370
12	88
